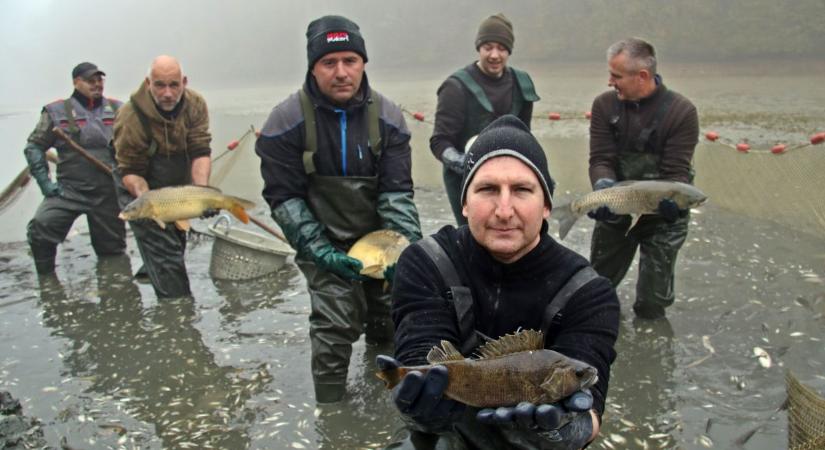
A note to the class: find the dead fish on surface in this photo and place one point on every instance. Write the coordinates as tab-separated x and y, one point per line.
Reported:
179	203
629	197
377	251
509	370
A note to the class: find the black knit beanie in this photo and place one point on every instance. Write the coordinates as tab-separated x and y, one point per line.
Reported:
507	136
496	28
333	34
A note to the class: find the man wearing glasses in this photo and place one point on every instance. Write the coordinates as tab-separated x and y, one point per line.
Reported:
78	187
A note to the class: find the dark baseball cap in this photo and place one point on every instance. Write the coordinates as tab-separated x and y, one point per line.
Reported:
86	70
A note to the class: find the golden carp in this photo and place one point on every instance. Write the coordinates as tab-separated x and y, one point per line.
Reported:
179	203
629	197
512	369
377	251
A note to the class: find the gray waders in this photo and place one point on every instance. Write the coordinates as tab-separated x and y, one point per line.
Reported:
85	188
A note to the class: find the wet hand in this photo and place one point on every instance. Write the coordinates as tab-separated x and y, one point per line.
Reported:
603	214
51	189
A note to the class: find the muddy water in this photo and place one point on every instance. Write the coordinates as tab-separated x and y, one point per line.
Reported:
103	364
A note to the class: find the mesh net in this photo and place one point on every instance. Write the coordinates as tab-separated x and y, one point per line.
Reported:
806	416
788	189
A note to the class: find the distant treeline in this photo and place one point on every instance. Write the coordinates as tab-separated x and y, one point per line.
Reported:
580	30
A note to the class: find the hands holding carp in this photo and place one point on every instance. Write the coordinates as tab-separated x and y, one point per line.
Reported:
514	374
179	203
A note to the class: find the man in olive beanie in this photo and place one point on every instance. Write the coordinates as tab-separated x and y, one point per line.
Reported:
474	96
336	164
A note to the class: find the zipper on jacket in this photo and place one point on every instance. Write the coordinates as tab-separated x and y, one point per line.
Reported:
342	123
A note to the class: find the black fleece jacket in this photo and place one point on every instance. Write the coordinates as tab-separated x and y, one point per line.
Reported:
506	297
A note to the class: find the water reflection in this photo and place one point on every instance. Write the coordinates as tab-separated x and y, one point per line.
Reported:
152	361
642	381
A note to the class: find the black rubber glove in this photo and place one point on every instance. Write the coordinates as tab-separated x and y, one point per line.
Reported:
39	170
564	425
453	160
420	397
670	211
603	213
333	260
210	212
389	273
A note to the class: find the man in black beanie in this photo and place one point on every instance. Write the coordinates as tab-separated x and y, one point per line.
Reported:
335	159
500	274
474	96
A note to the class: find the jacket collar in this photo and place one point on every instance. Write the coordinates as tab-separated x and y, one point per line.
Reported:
88	103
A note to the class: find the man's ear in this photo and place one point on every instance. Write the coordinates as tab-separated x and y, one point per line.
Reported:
148	82
644	74
185	80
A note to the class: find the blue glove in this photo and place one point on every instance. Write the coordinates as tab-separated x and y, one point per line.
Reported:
453	160
545	416
332	260
603	213
210	212
420	397
670	211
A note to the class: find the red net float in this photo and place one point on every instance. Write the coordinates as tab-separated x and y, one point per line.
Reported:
554	116
818	138
712	136
233	145
779	148
588	115
743	147
418	116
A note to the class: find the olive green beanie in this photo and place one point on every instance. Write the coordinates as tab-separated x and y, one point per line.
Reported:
496	28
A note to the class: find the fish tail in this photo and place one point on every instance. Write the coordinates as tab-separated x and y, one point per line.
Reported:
566	217
239	212
391	377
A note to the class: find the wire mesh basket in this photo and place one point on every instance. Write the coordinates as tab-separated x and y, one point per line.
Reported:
239	254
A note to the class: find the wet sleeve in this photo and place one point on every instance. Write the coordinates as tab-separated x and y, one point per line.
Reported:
449	117
589	331
603	152
42	135
681	139
282	166
198	138
422	315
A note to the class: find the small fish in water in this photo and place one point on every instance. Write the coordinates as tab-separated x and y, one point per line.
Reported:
509	370
629	197
377	251
179	203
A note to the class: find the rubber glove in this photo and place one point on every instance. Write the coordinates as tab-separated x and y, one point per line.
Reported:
670	211
210	212
389	273
420	397
39	170
603	213
453	160
333	260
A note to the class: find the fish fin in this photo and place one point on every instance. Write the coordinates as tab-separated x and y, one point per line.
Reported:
520	341
634	220
554	385
446	353
240	213
160	223
566	218
372	271
182	225
391	377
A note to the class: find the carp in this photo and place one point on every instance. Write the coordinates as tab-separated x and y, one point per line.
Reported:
378	250
629	197
179	203
509	370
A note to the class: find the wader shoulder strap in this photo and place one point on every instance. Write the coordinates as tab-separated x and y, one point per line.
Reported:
462	299
525	83
464	77
67	104
311	132
579	279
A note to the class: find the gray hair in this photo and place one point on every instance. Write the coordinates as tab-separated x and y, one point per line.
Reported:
640	53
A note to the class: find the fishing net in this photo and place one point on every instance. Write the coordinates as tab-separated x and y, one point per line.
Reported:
806	416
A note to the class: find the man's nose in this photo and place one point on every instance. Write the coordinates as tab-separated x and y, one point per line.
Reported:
504	205
340	71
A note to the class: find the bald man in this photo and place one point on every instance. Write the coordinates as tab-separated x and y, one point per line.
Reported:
161	138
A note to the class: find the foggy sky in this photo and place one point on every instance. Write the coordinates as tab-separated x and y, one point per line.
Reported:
226	44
